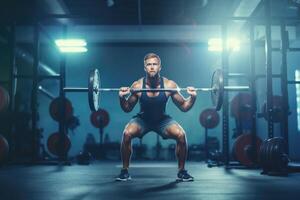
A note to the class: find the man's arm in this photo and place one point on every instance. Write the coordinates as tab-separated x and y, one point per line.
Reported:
128	103
184	104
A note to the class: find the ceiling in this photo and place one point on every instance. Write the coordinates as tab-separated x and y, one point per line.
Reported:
123	12
137	20
139	12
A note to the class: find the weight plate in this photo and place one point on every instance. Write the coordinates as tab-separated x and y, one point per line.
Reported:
277	109
241	105
55	111
93	89
100	118
209	118
218	89
53	144
242	149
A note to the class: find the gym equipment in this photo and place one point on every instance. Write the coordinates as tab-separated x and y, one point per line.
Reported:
100	118
94	89
55	111
241	106
243	149
209	118
277	109
272	157
53	144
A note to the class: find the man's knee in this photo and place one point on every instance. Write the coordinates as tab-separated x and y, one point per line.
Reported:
129	134
177	133
181	137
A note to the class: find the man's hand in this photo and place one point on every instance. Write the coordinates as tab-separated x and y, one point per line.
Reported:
191	91
124	91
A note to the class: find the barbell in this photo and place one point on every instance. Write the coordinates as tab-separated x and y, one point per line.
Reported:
94	89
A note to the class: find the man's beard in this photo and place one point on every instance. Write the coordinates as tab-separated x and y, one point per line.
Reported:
153	75
153	79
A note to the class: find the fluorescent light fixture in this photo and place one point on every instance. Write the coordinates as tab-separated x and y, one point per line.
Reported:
215	44
73	49
71	45
70	42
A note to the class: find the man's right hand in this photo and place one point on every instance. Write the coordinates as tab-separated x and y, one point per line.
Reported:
124	91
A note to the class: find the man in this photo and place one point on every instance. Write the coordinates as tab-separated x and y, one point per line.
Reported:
152	115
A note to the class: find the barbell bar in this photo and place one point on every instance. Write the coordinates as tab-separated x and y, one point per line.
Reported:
74	89
94	89
79	89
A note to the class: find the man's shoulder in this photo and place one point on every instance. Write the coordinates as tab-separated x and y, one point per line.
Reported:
138	83
169	83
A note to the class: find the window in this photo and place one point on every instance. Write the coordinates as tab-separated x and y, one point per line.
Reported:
297	78
215	44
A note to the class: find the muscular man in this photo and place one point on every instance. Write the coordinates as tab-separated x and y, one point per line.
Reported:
152	115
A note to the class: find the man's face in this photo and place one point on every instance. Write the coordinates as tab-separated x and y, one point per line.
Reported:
152	67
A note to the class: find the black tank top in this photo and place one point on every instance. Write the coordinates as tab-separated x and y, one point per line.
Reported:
153	109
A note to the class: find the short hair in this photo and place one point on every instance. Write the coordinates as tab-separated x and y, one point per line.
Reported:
151	55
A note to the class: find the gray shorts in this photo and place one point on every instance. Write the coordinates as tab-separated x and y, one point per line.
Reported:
158	127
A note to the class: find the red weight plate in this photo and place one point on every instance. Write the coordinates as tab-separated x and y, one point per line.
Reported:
241	106
209	118
242	149
100	118
54	111
53	144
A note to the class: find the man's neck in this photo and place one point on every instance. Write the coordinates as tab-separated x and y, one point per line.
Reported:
153	82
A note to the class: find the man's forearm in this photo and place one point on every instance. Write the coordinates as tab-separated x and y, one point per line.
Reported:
125	105
188	104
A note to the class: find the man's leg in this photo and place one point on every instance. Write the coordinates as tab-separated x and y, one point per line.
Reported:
175	131
171	129
131	131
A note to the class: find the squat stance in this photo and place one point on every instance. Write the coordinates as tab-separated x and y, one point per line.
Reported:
152	115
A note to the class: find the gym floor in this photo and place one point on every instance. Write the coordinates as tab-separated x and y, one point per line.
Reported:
150	180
